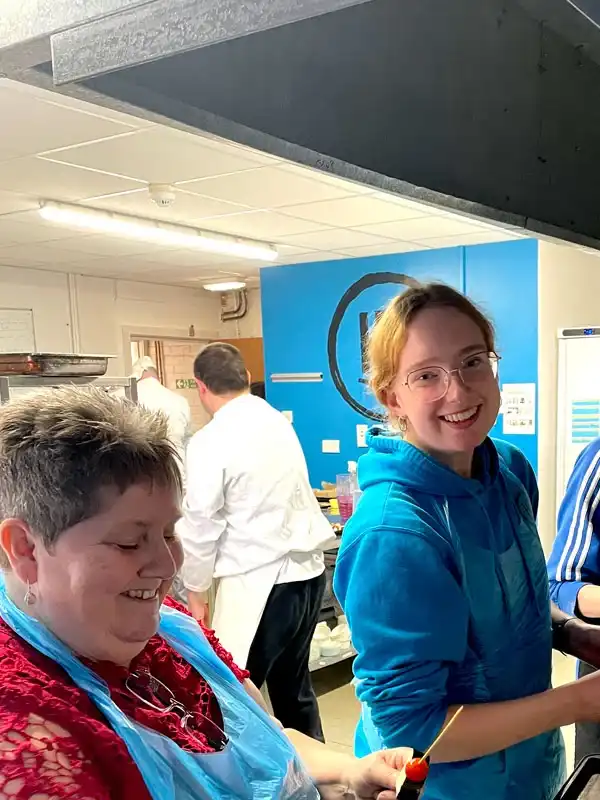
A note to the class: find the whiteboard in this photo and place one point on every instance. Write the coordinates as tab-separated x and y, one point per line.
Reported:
17	334
578	416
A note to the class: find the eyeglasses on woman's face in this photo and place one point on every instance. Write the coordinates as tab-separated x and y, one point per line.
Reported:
432	383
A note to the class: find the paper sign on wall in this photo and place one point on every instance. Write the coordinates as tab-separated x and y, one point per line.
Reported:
16	330
518	408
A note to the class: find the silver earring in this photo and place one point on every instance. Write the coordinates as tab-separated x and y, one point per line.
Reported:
29	596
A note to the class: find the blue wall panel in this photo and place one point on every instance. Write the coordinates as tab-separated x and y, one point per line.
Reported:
503	279
299	303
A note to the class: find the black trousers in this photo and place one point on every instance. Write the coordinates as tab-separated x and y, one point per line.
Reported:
280	651
587	734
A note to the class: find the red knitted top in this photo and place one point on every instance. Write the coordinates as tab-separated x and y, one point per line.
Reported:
55	744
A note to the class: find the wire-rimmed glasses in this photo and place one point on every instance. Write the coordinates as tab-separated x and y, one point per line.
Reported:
432	383
157	696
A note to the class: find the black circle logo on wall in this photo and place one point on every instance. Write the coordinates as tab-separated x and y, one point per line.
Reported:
354	291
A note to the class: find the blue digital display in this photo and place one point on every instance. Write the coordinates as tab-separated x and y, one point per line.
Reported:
588	331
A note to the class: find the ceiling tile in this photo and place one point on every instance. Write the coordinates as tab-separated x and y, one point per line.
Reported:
19	259
308	258
266	188
348	212
29	227
139	269
187	209
40	253
287	250
49	179
55	97
336	239
239	269
103	268
104	246
393	248
483	237
262	225
186	278
164	275
349	187
413	230
265	159
36	126
179	258
10	202
416	205
208	277
160	155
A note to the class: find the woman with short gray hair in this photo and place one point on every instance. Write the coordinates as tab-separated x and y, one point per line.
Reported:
109	690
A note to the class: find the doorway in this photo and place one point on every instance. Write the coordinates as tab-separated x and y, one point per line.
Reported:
174	359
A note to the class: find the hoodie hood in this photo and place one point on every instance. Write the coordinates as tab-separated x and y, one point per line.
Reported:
391	459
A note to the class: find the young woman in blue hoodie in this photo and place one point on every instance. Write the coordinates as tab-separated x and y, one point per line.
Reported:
441	572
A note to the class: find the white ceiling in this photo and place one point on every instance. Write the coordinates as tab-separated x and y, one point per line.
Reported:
58	148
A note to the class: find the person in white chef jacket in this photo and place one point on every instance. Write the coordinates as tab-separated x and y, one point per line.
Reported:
156	397
251	522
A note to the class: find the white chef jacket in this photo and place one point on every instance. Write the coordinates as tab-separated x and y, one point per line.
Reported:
248	500
156	397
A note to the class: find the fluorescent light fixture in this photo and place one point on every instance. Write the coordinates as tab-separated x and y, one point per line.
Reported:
162	233
227	286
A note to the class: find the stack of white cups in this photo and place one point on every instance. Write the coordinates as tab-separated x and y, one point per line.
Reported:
328	643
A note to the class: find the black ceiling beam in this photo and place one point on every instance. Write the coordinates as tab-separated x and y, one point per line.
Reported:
488	106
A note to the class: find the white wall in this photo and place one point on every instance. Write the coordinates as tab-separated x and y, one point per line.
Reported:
250	325
569	295
107	306
47	294
86	314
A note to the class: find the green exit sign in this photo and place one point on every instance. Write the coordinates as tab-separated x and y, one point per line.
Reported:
185	383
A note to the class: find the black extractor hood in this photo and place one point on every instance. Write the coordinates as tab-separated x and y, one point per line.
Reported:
490	107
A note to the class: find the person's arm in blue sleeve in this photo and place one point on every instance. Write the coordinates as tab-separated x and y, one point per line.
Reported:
409	619
573	562
409	622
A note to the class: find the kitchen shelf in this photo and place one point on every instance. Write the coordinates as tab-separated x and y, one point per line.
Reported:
329	661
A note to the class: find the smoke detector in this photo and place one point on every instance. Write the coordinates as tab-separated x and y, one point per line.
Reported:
163	194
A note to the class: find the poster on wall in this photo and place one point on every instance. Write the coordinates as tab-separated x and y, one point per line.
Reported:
518	408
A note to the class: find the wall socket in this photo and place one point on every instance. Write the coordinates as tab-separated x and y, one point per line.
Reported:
361	435
331	445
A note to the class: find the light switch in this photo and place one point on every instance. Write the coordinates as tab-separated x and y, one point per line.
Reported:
331	445
361	435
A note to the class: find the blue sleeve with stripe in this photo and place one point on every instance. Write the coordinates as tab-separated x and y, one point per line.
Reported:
574	558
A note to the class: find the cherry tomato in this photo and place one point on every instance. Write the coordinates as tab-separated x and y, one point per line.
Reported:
417	770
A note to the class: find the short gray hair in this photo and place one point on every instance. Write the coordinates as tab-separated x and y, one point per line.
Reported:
60	447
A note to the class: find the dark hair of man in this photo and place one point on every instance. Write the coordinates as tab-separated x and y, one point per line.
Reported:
221	368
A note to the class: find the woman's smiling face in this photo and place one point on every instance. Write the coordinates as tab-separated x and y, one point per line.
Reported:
446	416
100	587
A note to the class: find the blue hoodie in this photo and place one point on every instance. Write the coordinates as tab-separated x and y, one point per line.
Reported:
444	584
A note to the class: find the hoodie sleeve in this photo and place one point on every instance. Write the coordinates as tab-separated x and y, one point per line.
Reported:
574	558
409	619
